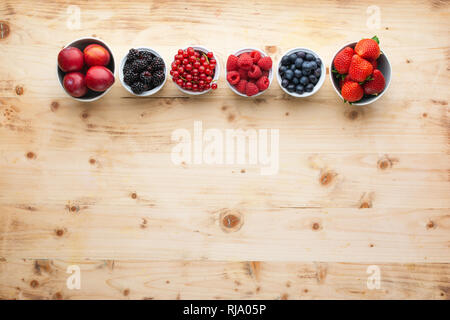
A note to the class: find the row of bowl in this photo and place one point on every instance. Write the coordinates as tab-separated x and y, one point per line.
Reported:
92	96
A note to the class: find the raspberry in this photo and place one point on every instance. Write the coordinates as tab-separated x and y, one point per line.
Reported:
245	61
263	83
251	89
256	55
265	63
254	72
232	63
265	73
241	86
243	74
233	77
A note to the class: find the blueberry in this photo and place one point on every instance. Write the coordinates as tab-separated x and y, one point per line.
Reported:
318	73
309	87
312	79
306	65
289	74
282	70
297	73
285	61
299	89
301	54
298	63
292	57
295	80
291	88
310	57
285	83
292	67
304	80
319	62
313	65
306	72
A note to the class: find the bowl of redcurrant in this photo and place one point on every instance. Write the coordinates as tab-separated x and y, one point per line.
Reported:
195	70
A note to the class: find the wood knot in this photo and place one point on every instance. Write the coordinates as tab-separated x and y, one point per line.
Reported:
365	205
371	245
54	106
386	163
92	161
271	49
316	226
431	225
326	178
126	292
57	296
4	30
84	115
231	220
34	283
74	208
144	223
19	90
133	195
59	232
31	155
352	115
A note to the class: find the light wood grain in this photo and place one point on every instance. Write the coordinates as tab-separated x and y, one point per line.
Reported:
110	279
89	183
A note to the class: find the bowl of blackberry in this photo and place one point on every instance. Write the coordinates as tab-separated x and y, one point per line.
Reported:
300	72
142	71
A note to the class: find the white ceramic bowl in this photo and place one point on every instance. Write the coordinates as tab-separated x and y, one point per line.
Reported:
145	93
216	72
318	84
81	44
383	65
263	54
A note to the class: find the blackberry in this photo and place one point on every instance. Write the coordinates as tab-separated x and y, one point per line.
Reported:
133	54
146	78
157	64
147	56
158	78
130	77
138	87
139	65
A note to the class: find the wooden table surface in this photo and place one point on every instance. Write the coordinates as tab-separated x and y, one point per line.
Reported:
93	184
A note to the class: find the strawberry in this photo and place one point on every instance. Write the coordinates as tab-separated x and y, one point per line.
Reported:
368	48
359	69
376	85
344	79
342	60
373	62
352	91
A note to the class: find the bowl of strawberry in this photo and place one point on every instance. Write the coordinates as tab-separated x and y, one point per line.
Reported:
86	69
249	72
195	70
360	72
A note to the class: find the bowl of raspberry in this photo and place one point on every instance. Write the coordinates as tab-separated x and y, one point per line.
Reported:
142	71
300	72
249	72
360	72
195	70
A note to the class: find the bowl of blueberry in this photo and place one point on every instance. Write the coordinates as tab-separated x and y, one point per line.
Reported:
300	72
142	71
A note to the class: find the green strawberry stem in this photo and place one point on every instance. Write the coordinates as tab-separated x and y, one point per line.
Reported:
376	39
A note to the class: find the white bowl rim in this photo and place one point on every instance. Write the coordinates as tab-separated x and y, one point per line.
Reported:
216	72
318	85
104	92
263	54
375	98
145	93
